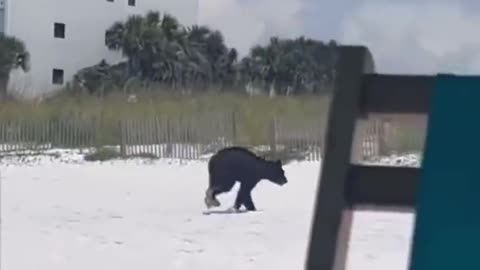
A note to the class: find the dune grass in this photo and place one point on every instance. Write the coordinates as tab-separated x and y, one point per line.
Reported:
253	115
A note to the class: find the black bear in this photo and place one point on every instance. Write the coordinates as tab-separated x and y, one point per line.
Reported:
233	164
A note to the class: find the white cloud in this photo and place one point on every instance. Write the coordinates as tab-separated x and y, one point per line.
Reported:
245	23
407	37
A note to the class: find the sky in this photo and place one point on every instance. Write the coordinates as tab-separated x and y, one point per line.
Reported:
407	36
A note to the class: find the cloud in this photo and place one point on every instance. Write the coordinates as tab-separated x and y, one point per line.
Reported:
245	23
407	37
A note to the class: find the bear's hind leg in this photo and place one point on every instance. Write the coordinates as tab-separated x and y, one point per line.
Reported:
244	197
210	197
218	183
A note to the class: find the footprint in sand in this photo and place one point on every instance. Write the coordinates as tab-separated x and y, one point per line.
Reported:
189	246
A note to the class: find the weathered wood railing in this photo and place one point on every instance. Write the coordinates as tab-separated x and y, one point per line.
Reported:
344	183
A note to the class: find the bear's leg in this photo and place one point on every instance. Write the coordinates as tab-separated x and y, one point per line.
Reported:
248	202
240	197
218	183
210	197
244	197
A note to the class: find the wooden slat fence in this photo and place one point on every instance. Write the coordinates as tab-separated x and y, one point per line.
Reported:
23	134
194	136
183	138
391	135
302	139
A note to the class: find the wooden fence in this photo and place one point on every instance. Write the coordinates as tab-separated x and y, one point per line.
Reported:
186	137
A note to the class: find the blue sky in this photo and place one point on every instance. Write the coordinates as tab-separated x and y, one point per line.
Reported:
408	36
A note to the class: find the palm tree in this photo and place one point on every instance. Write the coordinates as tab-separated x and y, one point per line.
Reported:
13	55
100	78
131	38
159	49
267	63
151	44
216	61
290	66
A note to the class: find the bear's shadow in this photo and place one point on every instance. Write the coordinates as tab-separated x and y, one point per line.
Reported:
228	212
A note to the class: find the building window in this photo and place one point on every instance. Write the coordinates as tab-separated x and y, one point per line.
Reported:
59	30
110	1
131	3
57	76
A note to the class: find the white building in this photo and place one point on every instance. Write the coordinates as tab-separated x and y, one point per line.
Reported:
64	36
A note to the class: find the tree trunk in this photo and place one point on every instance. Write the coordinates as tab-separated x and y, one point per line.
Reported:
3	86
272	92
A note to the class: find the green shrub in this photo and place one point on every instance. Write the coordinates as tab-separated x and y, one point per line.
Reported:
145	155
103	154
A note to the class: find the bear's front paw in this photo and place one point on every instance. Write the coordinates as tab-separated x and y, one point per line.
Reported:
211	202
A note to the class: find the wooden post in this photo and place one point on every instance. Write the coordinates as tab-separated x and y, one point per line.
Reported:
168	128
234	127
121	130
273	139
382	136
332	219
358	149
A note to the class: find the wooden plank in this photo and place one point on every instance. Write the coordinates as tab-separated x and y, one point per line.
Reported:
331	222
446	234
150	134
396	94
383	186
